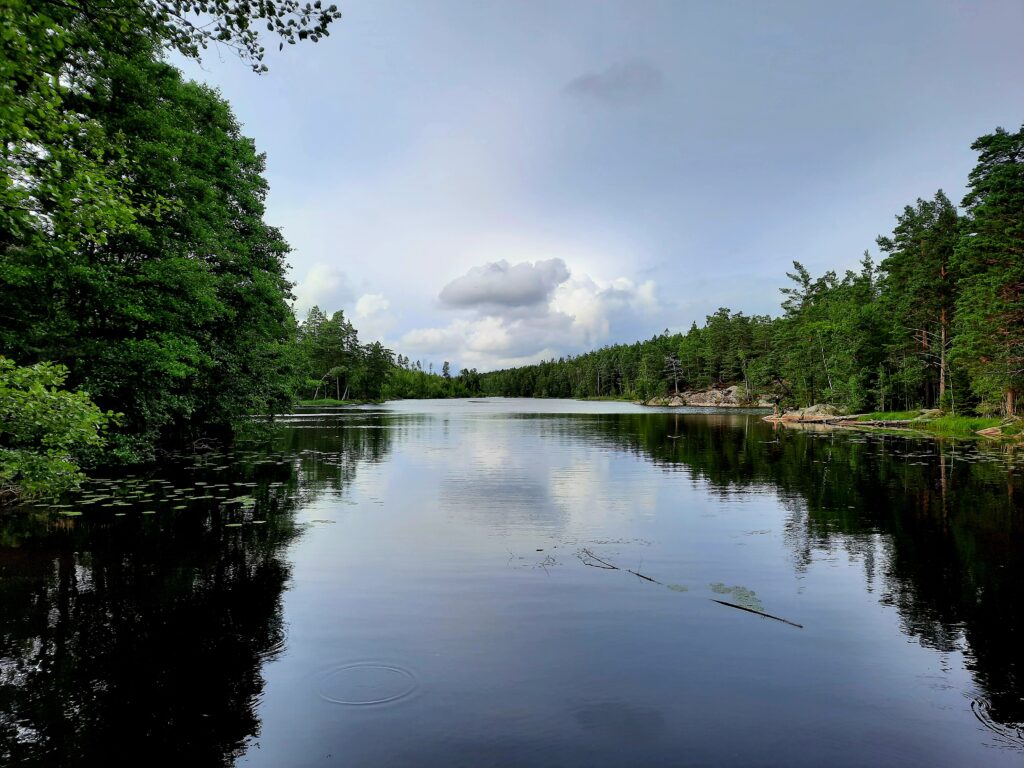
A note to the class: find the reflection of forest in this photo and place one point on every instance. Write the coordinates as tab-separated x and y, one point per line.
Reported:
145	636
950	521
328	450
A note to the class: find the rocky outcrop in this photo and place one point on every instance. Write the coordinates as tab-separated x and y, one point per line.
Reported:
815	414
724	397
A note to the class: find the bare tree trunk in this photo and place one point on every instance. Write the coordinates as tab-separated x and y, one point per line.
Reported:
824	363
1011	401
942	357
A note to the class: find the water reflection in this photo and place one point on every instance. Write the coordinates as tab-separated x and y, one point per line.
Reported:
145	635
937	525
445	616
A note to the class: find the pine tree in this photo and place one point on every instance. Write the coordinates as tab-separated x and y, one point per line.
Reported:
989	256
919	284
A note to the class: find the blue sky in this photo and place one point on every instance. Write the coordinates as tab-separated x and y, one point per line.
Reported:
493	183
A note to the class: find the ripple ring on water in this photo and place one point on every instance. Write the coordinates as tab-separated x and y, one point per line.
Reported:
367	683
1007	734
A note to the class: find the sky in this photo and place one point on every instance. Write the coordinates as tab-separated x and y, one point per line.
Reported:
495	183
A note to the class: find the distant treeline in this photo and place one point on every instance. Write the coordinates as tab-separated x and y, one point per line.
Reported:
939	322
333	364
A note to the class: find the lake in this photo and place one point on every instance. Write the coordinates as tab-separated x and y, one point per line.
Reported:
524	583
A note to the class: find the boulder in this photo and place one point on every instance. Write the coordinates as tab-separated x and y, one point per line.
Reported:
724	397
814	414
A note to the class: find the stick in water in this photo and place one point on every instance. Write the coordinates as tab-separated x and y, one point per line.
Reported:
758	613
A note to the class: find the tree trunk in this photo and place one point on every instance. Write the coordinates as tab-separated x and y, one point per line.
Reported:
942	358
1011	401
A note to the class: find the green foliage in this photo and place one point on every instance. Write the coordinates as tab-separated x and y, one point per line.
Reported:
918	296
236	23
959	426
337	369
889	415
44	430
730	348
132	243
989	258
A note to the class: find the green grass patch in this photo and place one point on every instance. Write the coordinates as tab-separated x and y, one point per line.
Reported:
331	401
959	426
948	425
889	416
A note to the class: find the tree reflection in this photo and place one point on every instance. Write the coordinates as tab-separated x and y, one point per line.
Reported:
938	526
145	636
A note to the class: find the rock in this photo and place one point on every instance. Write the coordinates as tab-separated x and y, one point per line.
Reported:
815	414
726	397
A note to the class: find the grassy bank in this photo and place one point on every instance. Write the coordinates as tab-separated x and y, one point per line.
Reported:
330	401
946	425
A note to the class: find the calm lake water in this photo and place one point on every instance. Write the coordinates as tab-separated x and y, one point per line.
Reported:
447	583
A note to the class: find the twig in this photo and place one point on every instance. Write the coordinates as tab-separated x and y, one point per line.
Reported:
549	560
589	558
645	578
757	612
585	556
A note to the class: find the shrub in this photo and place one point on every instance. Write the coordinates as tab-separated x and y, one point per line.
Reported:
44	429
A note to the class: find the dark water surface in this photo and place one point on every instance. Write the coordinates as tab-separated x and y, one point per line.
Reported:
428	584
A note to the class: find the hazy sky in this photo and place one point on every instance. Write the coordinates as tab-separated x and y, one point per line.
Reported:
498	182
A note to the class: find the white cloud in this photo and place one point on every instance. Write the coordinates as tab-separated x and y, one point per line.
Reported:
372	318
577	313
324	285
371	304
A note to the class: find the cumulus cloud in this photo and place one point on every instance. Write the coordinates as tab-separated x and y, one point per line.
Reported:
548	311
372	318
499	285
324	285
624	81
371	304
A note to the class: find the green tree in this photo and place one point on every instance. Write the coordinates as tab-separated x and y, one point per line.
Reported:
44	430
182	320
919	285
989	257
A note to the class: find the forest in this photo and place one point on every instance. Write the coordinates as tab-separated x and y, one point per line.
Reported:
938	322
145	305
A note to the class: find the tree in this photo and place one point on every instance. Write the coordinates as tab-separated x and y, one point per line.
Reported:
44	430
989	257
674	371
181	319
919	285
132	245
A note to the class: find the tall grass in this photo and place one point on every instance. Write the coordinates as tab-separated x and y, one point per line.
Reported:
959	426
888	415
948	425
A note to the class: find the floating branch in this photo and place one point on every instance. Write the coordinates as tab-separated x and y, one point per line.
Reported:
645	578
757	612
589	558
